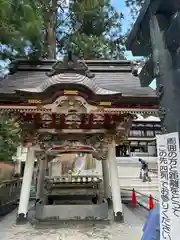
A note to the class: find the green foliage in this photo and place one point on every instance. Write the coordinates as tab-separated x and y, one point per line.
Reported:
20	26
93	47
30	23
10	137
98	35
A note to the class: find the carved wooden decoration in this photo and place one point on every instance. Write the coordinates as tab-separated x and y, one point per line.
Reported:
71	104
70	63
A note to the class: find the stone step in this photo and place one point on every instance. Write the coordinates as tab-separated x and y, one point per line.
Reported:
140	185
137	180
128	193
137	183
134	177
126	188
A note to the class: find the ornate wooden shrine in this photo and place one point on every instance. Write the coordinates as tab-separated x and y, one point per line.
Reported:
74	106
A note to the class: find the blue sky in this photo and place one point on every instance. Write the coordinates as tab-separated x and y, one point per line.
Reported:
120	6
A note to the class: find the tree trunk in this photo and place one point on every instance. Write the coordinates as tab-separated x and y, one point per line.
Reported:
51	30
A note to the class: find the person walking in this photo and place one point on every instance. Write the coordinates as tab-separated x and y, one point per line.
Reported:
144	171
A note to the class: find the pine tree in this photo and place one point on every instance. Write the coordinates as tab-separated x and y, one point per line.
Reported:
95	30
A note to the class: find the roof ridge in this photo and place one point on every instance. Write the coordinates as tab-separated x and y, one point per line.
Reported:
24	64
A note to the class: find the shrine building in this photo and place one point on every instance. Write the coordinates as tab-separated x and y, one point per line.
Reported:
74	106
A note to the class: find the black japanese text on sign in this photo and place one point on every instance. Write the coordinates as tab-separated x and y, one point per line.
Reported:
173	175
165	196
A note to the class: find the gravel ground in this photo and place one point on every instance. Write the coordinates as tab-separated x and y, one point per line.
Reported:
76	232
129	230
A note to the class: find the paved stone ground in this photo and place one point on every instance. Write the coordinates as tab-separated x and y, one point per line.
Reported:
129	230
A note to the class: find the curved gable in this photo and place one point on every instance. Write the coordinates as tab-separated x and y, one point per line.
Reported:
69	78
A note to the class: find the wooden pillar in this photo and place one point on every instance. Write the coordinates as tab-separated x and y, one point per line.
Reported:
115	186
26	187
41	176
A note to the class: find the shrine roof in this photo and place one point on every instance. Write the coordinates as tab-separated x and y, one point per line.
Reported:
105	78
138	40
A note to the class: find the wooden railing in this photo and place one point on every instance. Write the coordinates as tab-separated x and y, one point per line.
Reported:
9	195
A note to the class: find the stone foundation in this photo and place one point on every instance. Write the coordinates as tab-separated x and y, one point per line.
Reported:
72	212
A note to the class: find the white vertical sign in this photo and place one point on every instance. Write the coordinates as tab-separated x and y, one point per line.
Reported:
165	209
169	176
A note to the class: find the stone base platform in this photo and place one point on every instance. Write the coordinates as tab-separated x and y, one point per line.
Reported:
72	212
